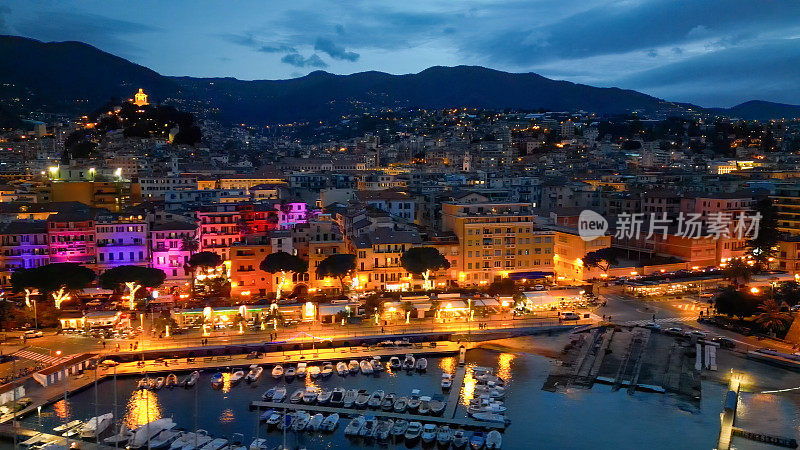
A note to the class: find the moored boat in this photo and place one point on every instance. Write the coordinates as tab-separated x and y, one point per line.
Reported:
444	435
217	380
477	440
383	430
413	431
267	396
277	371
388	402
424	405
301	421
337	396
447	381
353	366
368	429
400	404
350	398
494	440
310	395
330	423
96	426
376	365
255	373
158	384
302	367
341	368
421	365
460	439
428	433
315	423
324	396
366	367
376	399
362	399
409	361
297	396
274	419
289	373
327	370
279	395
237	377
437	407
144	383
191	380
313	371
354	426
171	381
399	428
164	439
394	363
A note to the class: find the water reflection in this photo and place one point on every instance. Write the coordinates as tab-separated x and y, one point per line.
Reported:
227	416
448	364
226	382
504	365
62	409
468	389
142	408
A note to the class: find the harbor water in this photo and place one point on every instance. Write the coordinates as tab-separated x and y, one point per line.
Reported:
579	419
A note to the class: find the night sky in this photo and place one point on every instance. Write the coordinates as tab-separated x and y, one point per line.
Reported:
712	53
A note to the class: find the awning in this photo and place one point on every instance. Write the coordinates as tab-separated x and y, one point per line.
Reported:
539	298
529	275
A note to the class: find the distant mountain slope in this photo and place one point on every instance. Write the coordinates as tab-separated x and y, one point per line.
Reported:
70	76
761	110
73	77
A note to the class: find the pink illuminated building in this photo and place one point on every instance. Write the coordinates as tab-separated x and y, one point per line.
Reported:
72	238
168	249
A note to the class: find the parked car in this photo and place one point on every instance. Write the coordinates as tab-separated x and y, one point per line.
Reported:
724	342
698	333
675	331
32	334
652	326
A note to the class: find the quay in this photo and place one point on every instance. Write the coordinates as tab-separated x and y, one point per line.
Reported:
33	437
351	412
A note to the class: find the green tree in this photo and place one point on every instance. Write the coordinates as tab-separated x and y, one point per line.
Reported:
189	244
787	292
602	259
771	317
422	261
339	266
203	260
282	262
738	272
133	277
736	303
56	279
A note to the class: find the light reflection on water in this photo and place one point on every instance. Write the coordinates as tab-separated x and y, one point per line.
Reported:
143	406
62	410
503	370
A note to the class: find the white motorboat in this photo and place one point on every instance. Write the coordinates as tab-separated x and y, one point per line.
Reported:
301	420
460	439
327	370
237	377
447	381
96	426
297	396
376	399
384	430
316	422
324	396
259	444
164	439
477	440
277	371
388	402
394	363
376	365
350	398
255	373
370	425
341	368
313	372
122	437
424	405
353	428
144	383
74	431
400	405
310	395
490	417
494	440
191	440
289	373
337	396
159	383
148	431
353	366
67	426
302	368
437	406
421	365
413	431
366	367
409	361
274	419
444	435
399	428
267	396
429	433
362	399
279	395
330	423
191	380
215	444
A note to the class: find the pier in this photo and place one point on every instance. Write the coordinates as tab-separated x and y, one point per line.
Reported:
352	412
455	391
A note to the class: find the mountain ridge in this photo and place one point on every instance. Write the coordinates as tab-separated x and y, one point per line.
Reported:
88	77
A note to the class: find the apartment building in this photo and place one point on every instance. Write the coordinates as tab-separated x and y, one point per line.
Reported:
168	250
121	240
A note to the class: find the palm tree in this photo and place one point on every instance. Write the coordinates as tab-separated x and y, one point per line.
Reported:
771	316
738	272
189	244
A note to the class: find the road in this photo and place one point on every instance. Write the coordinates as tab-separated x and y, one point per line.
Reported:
681	313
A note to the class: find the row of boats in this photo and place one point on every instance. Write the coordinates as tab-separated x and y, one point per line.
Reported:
385	430
487	397
163	434
365	366
362	398
90	429
170	381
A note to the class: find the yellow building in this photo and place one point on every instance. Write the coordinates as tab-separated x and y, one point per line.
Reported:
570	249
497	240
113	196
140	98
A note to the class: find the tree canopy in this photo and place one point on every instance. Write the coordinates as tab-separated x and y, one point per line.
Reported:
52	277
205	259
283	262
338	266
143	276
603	259
736	303
419	260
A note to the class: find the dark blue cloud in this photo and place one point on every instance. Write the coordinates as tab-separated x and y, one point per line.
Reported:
298	60
330	48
